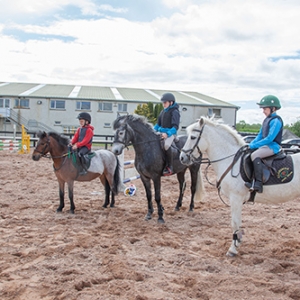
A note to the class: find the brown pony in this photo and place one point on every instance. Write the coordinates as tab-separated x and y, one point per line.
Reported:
104	165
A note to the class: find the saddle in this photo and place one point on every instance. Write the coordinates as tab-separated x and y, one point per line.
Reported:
86	160
277	169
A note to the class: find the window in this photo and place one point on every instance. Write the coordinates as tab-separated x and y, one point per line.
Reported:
58	104
122	107
22	103
217	112
4	103
69	129
105	106
107	125
83	105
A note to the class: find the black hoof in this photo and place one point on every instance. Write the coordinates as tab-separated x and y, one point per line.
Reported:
161	221
148	217
177	209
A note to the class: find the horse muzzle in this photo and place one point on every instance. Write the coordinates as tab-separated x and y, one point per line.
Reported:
117	148
185	159
36	156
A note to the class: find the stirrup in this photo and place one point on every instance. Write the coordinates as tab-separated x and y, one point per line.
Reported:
82	172
250	185
256	188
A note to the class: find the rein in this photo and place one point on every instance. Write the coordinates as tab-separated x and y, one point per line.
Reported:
237	155
126	145
46	155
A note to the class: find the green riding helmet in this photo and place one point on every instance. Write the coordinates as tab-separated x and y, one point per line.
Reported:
269	101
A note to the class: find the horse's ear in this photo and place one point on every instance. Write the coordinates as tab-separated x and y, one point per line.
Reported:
41	134
201	122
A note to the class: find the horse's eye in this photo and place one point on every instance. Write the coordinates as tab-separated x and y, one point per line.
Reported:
193	137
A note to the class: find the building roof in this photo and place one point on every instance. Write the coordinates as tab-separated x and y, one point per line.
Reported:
81	92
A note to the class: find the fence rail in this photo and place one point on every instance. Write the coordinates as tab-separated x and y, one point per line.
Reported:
106	140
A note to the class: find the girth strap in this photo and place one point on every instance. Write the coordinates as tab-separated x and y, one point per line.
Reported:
235	159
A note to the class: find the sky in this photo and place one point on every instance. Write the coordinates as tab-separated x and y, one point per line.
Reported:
234	50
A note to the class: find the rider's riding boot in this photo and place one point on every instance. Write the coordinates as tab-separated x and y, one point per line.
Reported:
83	170
258	174
168	170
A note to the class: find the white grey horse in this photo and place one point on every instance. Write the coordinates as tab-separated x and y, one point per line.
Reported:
220	143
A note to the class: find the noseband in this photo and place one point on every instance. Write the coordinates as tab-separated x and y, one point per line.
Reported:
189	152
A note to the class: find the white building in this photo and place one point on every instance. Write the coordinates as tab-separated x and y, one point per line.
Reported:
55	107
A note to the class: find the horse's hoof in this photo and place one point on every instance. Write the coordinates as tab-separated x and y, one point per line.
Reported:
161	221
177	209
231	254
147	217
112	205
59	210
72	211
104	206
191	210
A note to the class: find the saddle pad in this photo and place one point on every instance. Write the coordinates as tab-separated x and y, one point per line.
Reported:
282	171
91	155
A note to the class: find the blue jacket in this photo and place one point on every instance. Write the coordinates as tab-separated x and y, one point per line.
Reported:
174	119
275	126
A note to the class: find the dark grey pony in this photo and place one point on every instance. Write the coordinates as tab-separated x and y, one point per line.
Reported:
150	160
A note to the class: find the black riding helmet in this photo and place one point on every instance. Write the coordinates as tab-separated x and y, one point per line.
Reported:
167	97
85	116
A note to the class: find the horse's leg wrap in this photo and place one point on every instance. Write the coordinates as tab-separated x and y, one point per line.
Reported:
237	237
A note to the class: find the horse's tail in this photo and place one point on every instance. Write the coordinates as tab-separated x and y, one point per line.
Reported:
200	189
118	184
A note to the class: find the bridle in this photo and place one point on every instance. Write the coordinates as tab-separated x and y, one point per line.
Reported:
43	152
46	149
116	140
129	131
192	158
189	152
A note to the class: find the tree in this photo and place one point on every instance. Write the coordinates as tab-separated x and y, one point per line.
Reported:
242	126
150	111
295	128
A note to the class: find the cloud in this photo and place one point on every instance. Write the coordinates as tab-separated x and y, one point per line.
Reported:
232	50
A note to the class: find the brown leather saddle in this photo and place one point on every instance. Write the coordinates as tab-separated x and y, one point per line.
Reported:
277	169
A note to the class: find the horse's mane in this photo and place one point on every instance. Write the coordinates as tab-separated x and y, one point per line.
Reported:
132	118
62	140
218	125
